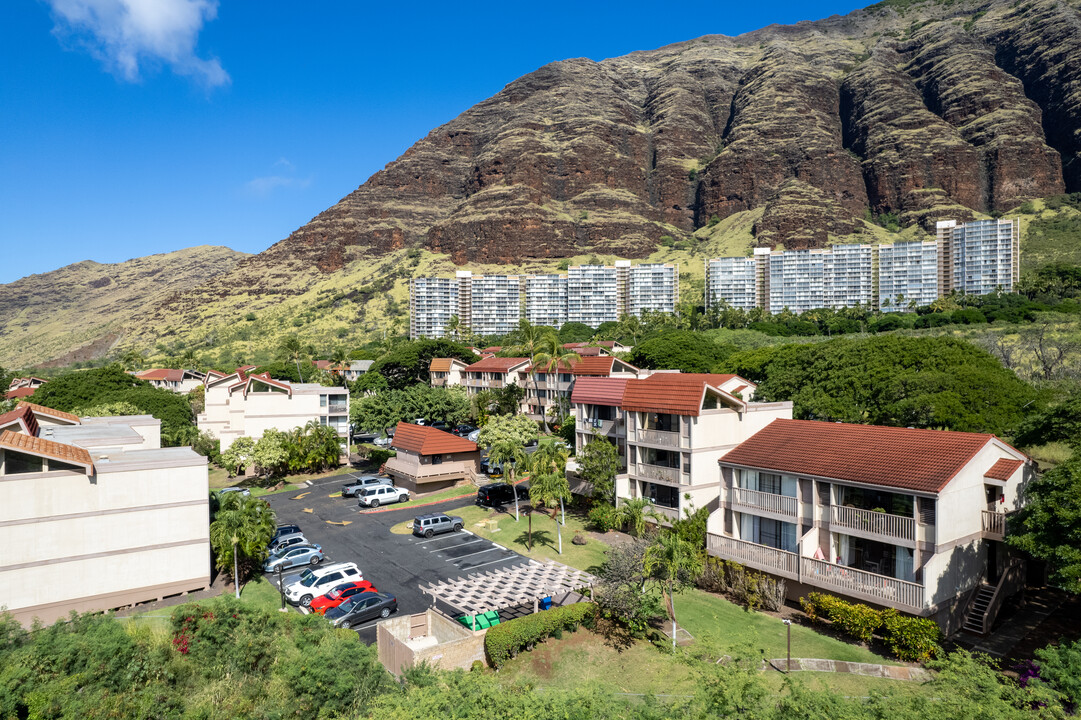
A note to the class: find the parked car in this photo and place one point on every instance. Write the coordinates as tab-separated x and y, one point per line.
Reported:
293	556
491	469
377	495
473	436
354	487
339	595
243	491
463	430
366	606
440	425
497	494
284	530
383	441
284	541
315	582
435	523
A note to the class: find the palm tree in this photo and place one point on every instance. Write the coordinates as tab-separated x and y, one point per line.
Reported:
189	359
551	457
550	355
635	512
529	339
510	455
667	557
244	524
132	359
291	349
545	489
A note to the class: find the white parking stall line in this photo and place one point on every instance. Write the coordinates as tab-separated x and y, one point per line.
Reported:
471	542
454	561
437	538
492	562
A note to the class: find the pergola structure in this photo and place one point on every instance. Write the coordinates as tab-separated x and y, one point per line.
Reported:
500	589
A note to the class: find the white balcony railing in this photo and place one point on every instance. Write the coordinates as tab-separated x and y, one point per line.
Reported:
862	584
659	437
668	513
759	557
771	502
599	427
994	525
869	522
659	472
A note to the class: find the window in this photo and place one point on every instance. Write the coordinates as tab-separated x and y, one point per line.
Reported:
437	459
661	495
16	463
322	401
661	421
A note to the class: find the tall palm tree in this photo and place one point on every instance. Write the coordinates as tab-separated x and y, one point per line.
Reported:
132	359
551	356
551	457
190	359
528	339
511	456
667	557
245	525
546	490
291	349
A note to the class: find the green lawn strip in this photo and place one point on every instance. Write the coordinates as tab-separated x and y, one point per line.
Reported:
513	535
724	628
848	684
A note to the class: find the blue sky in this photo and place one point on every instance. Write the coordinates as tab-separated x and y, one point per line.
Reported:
132	127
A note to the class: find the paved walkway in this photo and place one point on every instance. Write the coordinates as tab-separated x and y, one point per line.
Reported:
892	672
1038	606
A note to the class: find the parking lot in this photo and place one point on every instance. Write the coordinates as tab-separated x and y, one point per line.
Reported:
395	564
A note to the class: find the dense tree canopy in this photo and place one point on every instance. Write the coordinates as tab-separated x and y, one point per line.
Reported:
407	364
107	386
679	350
383	410
932	382
1049	525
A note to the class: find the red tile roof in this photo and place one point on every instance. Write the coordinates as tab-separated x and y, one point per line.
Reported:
1003	469
425	440
22	415
263	378
599	390
597	344
323	364
490	350
166	374
443	364
46	448
50	413
19	393
676	393
496	364
918	460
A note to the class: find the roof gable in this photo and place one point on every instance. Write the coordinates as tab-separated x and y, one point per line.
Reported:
41	411
21	417
906	458
675	393
445	364
425	440
1003	468
40	447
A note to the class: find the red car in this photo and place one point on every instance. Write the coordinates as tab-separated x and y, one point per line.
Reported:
340	594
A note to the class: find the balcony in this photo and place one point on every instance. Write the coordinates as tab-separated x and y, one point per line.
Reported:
753	555
785	507
338	408
599	427
669	475
869	586
668	513
874	525
994	525
660	437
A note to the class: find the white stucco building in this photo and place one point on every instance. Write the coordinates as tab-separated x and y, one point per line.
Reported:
95	514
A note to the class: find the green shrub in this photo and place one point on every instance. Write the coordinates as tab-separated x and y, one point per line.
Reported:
858	620
604	517
910	638
505	640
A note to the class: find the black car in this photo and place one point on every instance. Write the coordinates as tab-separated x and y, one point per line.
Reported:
440	425
283	530
366	606
463	429
497	494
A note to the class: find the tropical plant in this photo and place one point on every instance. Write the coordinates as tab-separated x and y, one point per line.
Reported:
634	512
292	349
1048	526
510	455
237	456
515	428
673	561
551	356
598	465
270	455
549	489
242	528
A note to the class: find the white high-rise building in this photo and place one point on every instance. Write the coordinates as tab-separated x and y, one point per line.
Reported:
495	302
796	280
979	257
433	301
592	294
546	299
652	286
732	280
907	274
847	276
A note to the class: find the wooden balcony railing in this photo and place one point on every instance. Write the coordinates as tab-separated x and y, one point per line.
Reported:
994	525
777	504
862	584
760	557
869	522
659	437
659	472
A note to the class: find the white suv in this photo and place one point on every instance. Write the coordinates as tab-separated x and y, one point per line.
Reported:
378	495
314	582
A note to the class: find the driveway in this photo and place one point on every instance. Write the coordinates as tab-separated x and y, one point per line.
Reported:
397	564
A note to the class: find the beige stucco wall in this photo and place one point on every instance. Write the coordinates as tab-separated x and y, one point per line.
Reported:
229	416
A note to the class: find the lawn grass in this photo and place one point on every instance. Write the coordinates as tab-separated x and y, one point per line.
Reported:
724	628
467	490
513	535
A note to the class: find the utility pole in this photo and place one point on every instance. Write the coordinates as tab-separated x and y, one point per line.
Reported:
788	625
281	586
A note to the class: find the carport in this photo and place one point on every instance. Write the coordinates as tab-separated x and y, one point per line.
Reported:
512	590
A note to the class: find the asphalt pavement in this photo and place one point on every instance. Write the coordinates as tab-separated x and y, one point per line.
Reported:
395	564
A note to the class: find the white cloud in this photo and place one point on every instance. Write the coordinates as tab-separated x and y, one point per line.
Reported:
126	35
263	186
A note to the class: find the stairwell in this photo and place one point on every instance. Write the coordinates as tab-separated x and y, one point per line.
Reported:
974	622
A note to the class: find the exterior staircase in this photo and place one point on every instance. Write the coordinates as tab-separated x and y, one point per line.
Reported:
974	622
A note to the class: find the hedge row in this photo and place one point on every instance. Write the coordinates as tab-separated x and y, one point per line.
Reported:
505	640
909	638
